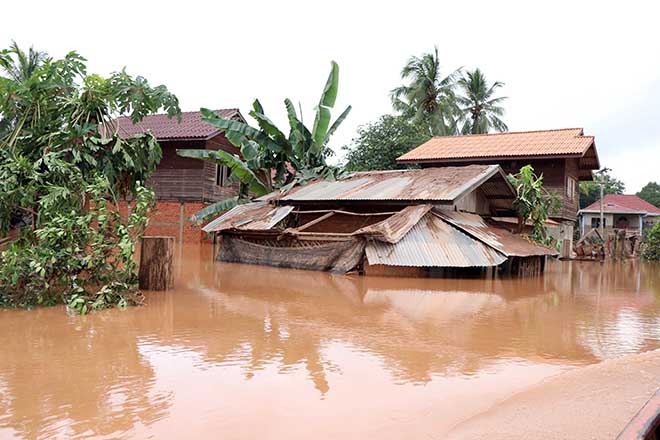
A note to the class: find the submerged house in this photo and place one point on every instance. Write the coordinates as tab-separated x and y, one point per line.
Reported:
182	185
620	211
564	157
406	222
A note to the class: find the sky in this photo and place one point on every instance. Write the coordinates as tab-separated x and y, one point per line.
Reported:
590	64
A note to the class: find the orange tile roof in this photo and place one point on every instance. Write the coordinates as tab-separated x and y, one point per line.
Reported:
542	143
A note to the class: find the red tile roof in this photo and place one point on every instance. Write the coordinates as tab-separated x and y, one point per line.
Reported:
166	128
616	203
542	143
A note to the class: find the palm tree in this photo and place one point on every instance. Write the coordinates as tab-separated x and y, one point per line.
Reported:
22	68
480	110
428	96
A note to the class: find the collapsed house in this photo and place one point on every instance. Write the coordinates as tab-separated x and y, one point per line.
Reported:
404	222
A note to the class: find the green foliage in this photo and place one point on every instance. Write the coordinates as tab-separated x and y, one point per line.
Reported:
650	193
63	168
590	191
81	256
533	202
430	98
479	108
651	245
269	158
378	144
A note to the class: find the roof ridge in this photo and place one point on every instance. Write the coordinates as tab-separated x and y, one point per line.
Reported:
517	132
234	109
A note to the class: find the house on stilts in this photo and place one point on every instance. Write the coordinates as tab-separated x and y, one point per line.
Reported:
417	222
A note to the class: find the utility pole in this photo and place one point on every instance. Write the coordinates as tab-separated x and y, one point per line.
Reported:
601	184
602	214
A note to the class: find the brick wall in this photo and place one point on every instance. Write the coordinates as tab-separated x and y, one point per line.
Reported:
165	219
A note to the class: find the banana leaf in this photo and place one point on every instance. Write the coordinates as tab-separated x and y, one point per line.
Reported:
336	124
323	115
210	117
214	209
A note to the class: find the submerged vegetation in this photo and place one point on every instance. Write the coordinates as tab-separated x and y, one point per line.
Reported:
271	159
63	169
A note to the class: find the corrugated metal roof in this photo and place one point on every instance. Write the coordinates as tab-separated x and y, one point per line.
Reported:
250	216
500	239
165	128
396	226
433	243
428	184
562	142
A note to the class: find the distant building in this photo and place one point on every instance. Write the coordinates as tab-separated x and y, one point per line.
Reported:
564	157
620	211
183	185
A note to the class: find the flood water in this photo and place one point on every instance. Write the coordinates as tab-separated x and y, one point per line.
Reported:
244	352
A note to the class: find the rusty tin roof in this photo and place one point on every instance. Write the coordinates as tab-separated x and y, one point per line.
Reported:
434	243
396	226
443	184
250	216
498	238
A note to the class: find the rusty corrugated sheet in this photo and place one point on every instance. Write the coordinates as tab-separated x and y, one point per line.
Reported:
444	184
395	227
500	239
433	243
563	142
250	216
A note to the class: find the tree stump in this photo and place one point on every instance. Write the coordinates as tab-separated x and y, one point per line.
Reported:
157	263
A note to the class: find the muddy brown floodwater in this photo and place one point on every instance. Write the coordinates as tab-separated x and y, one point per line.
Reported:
245	352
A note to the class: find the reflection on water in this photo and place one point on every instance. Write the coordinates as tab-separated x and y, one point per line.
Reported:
242	351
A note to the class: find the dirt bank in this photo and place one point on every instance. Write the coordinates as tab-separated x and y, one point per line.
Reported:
594	402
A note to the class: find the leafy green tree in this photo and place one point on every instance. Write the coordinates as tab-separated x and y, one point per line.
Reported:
379	143
533	202
650	193
651	245
64	167
480	108
269	158
590	191
428	96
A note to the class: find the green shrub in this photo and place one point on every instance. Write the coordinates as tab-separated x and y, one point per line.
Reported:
651	246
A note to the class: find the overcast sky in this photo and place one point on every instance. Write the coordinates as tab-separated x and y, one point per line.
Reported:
565	63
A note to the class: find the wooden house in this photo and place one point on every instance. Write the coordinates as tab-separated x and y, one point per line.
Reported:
182	185
564	157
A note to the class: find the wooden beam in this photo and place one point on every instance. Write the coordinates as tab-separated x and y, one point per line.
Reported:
313	222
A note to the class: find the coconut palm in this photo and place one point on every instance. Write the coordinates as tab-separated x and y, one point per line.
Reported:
480	109
24	64
428	96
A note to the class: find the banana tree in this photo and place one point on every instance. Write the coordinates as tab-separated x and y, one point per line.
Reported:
247	170
269	158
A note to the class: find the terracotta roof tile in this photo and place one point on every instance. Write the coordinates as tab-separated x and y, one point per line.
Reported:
623	203
166	128
562	142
